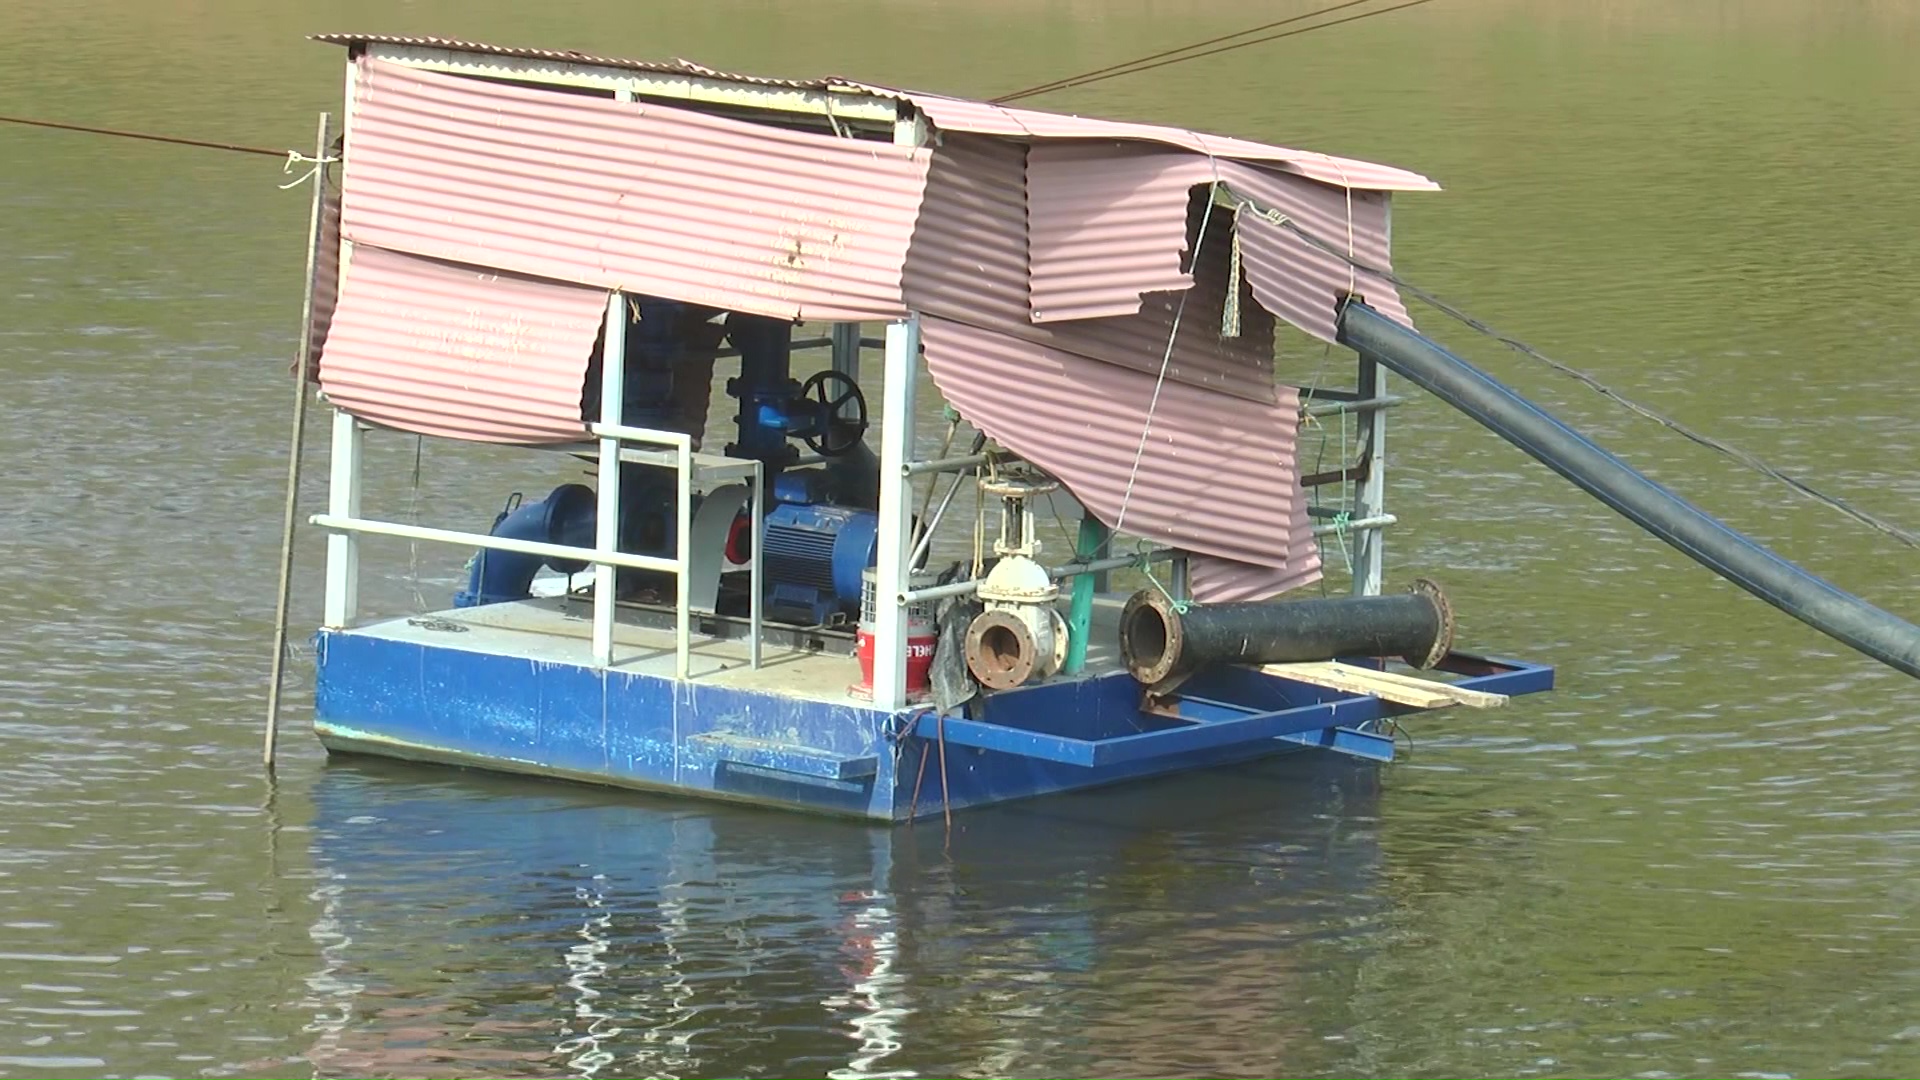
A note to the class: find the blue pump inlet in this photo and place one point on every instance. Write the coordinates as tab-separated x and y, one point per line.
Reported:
565	516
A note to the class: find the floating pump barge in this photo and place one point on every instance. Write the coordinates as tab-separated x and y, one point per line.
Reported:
833	610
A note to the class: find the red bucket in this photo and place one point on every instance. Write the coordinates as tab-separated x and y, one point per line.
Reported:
922	635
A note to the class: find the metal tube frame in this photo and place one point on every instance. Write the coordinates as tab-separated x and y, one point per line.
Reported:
891	557
1369	501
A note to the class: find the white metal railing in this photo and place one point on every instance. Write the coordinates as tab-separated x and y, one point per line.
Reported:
604	557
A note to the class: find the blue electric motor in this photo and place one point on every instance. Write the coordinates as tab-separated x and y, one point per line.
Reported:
813	554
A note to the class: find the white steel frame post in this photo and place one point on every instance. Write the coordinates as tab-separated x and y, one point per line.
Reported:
606	522
896	487
1369	501
343	501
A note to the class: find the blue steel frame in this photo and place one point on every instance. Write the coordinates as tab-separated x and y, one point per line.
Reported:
1327	719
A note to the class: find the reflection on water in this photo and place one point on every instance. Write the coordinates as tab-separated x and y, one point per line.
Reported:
584	935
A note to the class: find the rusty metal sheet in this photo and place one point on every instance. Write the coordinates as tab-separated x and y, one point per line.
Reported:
431	347
969	263
642	197
1216	474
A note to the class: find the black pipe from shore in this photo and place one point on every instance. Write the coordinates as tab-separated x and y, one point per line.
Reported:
1838	614
1162	640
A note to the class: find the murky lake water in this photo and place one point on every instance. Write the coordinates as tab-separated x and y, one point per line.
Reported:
1700	856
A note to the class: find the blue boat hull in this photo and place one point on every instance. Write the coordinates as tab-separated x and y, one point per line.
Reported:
471	707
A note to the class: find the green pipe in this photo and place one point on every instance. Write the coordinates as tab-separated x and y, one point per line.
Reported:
1093	536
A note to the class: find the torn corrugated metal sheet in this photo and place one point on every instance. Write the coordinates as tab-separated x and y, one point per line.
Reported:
969	259
1292	278
646	198
438	349
1098	261
1106	224
1216	474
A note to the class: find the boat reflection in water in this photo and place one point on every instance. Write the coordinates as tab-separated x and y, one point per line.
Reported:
479	925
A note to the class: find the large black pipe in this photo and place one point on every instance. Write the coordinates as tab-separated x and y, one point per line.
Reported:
1841	615
1162	640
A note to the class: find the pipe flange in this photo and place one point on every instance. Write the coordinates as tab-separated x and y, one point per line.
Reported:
1001	652
1443	641
1151	636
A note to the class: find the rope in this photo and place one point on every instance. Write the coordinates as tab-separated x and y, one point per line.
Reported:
176	140
294	157
1173	335
1139	64
1745	458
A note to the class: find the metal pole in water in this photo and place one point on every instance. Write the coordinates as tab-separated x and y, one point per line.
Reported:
302	373
1840	615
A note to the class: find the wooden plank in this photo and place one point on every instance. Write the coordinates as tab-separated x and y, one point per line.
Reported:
1360	681
1472	699
1386	685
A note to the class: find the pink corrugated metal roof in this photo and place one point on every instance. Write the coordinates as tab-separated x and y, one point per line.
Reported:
1032	125
979	117
1217	472
447	350
563	56
642	197
969	259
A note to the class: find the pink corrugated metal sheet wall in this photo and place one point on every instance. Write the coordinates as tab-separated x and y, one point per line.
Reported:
969	263
1106	223
439	349
641	197
1216	475
326	271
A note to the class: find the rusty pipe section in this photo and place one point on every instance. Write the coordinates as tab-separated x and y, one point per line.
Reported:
1162	640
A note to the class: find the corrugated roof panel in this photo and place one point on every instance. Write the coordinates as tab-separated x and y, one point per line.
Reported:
977	117
968	263
985	118
1216	474
643	197
563	56
427	346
